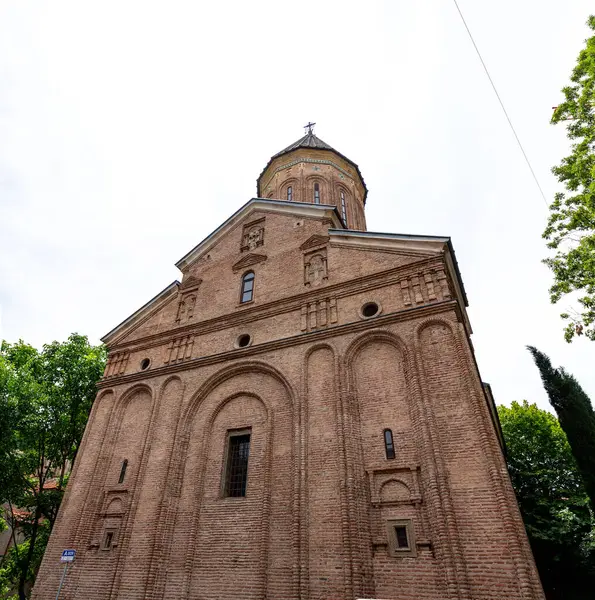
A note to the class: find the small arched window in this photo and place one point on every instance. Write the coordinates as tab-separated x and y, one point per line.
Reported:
343	209
389	445
123	471
316	193
247	287
289	194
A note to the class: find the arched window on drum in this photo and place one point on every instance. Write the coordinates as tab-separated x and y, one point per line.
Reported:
343	208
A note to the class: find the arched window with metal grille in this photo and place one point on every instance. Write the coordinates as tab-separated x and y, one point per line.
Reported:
343	209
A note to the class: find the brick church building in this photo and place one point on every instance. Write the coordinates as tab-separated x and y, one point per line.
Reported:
300	418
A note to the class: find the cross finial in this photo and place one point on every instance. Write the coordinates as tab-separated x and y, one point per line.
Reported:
309	127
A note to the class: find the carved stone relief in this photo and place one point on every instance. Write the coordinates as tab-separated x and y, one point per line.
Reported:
252	235
186	307
187	299
315	268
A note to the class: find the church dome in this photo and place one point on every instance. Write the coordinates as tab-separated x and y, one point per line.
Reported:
312	171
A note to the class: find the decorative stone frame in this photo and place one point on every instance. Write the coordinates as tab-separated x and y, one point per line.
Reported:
237	341
113	543
311	259
252	235
361	310
187	296
393	549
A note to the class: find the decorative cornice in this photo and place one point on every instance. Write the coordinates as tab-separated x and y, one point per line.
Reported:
319	161
301	338
284	305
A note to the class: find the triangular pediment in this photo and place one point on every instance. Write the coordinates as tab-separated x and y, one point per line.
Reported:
190	283
314	242
324	212
248	261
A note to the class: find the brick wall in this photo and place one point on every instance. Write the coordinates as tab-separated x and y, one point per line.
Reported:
317	387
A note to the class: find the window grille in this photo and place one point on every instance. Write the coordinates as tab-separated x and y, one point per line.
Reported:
289	194
236	473
343	209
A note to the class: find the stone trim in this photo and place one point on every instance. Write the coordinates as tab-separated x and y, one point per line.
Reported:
402	315
294	303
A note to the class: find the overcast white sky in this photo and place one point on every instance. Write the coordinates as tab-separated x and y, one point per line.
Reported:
130	130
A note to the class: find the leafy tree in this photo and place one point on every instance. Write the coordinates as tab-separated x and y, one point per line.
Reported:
45	399
576	416
552	499
571	225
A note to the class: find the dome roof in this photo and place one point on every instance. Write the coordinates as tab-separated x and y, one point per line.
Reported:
311	141
308	141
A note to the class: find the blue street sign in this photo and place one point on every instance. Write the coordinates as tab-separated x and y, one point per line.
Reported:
67	555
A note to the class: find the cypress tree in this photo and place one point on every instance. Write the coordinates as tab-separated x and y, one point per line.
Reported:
575	414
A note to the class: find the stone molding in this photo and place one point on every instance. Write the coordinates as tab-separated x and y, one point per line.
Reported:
300	338
283	305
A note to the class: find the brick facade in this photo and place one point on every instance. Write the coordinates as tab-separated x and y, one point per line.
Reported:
317	385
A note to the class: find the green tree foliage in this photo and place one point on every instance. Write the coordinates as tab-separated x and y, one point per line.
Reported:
571	226
576	416
552	499
45	400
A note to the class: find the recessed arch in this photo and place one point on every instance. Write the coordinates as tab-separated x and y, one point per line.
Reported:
378	335
433	321
394	489
227	373
125	398
292	183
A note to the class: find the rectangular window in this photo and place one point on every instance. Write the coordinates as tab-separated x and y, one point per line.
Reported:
108	539
316	194
236	467
289	194
401	539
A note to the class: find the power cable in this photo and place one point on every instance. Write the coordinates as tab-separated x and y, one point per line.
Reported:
502	104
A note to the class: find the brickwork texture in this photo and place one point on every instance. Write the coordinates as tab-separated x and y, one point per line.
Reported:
317	384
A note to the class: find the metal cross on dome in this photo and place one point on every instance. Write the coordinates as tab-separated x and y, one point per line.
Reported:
309	127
